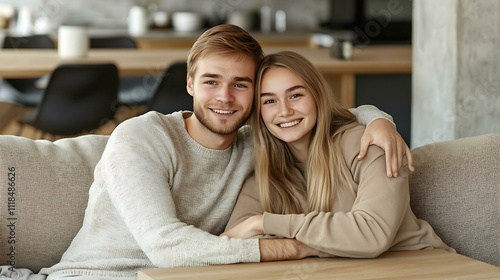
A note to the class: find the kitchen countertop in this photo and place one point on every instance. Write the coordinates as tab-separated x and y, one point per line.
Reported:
171	33
168	37
339	73
159	38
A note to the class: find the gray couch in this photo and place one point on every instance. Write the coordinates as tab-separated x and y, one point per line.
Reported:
456	187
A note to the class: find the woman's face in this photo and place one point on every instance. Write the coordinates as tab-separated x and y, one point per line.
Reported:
288	109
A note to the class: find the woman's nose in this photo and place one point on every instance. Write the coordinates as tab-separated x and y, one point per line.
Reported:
285	109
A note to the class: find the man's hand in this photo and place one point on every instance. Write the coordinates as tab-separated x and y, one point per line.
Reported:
286	249
383	134
273	249
248	228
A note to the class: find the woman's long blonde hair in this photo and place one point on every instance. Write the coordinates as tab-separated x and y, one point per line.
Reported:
277	173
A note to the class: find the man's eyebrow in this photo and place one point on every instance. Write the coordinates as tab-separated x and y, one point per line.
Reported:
209	75
243	79
217	76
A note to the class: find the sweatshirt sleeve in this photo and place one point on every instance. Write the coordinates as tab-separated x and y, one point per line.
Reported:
247	205
369	228
136	173
368	113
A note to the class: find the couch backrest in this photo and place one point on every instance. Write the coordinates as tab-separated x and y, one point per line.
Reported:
44	207
456	188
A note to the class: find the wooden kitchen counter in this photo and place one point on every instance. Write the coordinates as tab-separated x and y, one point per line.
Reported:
23	63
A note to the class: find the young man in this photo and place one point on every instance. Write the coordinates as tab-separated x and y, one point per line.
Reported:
165	186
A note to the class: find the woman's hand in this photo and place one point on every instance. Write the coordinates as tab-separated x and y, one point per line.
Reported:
248	228
383	133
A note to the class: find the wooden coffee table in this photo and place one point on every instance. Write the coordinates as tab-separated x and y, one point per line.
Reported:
424	264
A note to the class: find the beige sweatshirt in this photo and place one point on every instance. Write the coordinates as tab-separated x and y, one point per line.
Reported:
378	219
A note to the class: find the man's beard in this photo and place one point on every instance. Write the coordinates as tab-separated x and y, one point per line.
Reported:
217	129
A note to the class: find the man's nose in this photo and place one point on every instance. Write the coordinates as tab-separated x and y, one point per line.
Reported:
224	94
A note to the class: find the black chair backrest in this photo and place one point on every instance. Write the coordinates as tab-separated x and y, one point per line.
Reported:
26	42
79	98
115	42
171	94
131	90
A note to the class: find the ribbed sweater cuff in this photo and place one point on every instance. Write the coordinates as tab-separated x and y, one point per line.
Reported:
277	224
250	250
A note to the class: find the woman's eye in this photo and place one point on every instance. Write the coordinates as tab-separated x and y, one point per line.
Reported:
296	95
269	101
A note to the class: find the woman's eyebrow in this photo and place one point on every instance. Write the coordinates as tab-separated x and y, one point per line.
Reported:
288	90
267	94
294	88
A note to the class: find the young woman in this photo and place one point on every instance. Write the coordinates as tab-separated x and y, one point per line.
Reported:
308	183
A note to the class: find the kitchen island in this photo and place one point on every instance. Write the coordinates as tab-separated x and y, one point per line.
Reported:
23	63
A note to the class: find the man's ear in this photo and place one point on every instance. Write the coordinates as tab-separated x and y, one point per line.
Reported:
189	85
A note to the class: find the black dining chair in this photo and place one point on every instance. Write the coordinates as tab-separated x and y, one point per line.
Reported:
112	42
133	90
171	94
26	91
79	99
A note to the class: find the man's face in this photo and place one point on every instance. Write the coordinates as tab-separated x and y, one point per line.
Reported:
223	91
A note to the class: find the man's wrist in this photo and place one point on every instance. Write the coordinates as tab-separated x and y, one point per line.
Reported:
280	249
382	118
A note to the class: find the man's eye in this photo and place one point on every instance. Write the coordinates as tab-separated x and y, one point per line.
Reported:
210	82
240	86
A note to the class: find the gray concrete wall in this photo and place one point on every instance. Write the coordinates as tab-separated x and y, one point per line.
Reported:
300	14
456	77
478	80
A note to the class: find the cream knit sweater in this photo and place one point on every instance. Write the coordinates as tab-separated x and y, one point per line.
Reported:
160	199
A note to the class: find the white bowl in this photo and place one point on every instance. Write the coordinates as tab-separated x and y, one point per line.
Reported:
187	21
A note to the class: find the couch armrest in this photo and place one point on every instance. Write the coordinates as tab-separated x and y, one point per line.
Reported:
47	198
456	188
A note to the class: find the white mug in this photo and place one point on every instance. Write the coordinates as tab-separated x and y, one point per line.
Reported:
137	21
72	41
24	21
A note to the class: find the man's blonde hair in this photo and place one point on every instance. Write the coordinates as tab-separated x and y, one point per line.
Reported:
224	39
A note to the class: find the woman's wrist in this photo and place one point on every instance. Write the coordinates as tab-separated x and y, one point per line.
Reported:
258	224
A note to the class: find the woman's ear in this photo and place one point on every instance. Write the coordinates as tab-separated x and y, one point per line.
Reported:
189	85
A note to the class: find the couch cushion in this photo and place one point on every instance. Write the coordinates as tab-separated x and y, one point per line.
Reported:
456	188
51	181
